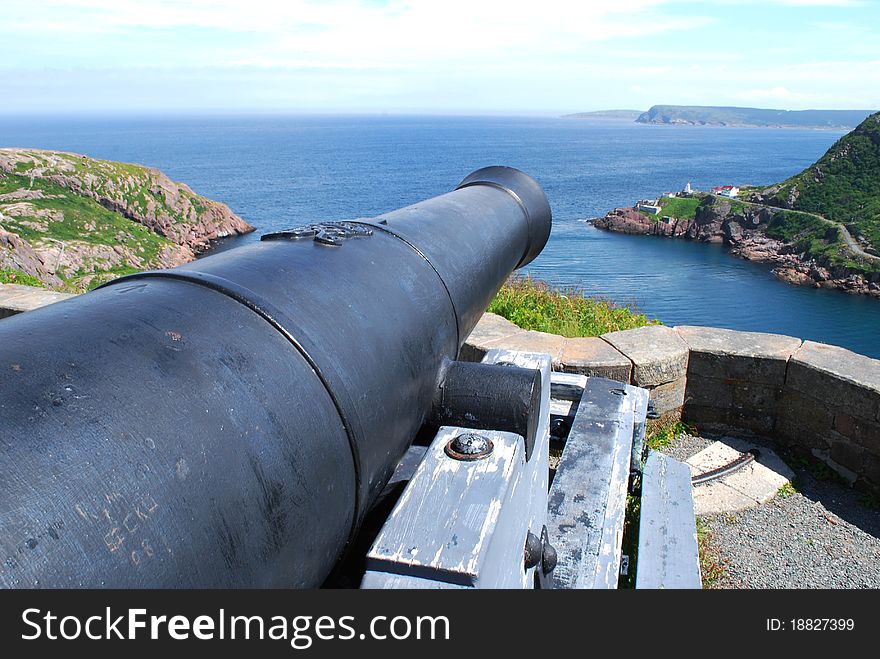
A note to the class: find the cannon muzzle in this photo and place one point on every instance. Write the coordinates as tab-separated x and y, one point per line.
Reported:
229	422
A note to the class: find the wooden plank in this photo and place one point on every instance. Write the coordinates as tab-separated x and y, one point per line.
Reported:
387	581
568	379
453	522
587	501
530	497
668	556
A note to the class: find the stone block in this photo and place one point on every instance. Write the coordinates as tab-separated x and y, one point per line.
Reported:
530	341
15	298
756	396
758	421
793	433
865	433
758	481
594	357
704	416
751	356
668	397
871	471
805	411
848	381
658	354
848	454
710	392
716	497
490	328
825	456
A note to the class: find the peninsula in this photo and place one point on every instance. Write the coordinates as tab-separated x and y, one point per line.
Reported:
708	115
820	227
70	222
698	115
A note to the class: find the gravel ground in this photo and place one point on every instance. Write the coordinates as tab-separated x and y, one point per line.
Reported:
685	446
823	535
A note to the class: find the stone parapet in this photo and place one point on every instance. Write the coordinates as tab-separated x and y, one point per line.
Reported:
810	396
658	354
15	298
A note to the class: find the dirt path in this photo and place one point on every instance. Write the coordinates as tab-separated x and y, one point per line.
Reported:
851	242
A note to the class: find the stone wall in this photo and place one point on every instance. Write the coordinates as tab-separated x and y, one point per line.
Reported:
15	298
808	396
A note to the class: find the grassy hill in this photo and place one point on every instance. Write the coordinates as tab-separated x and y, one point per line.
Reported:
843	185
72	222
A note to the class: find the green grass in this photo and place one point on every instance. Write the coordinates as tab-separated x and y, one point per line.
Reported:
665	430
533	305
844	184
127	184
712	568
820	240
786	491
682	208
13	276
84	220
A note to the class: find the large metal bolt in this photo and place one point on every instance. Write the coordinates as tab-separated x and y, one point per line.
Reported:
549	556
469	446
533	551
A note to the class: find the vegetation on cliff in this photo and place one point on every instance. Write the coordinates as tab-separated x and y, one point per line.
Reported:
534	305
821	226
72	222
842	186
13	276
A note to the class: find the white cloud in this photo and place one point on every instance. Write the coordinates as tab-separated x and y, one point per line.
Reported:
348	32
461	53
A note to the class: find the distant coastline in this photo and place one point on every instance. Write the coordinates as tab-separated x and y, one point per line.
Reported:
733	117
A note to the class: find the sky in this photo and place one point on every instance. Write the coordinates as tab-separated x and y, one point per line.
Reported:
540	57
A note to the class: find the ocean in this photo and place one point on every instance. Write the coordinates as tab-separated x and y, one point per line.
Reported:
282	171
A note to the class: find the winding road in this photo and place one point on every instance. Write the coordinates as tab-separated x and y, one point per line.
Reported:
851	242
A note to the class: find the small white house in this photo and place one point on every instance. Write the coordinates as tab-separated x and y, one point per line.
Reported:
651	207
726	191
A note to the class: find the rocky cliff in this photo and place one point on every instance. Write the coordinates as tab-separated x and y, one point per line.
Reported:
820	227
754	232
72	222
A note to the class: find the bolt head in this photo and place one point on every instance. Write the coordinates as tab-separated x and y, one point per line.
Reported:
469	446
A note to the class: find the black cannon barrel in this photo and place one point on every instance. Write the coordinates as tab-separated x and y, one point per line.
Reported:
228	423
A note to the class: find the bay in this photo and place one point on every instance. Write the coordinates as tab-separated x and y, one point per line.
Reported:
282	171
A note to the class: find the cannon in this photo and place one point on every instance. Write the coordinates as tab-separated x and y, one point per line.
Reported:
230	422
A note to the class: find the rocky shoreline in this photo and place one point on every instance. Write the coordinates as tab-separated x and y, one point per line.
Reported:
71	221
743	230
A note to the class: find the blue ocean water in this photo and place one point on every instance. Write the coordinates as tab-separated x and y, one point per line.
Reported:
278	172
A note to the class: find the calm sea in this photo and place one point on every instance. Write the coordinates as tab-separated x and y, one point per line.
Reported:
282	171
